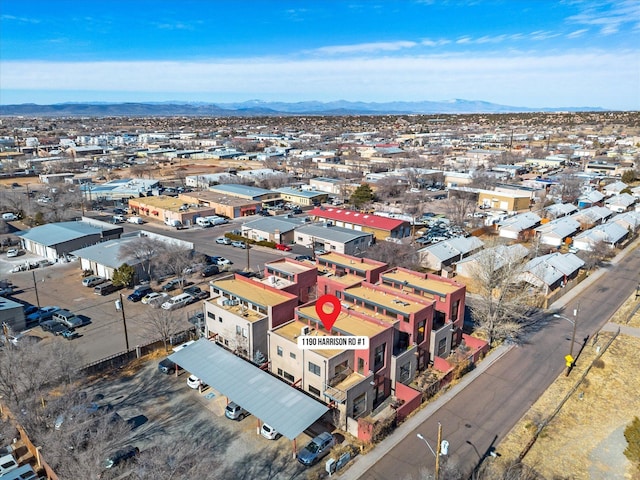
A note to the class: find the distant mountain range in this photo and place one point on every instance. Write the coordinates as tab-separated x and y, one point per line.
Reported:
255	108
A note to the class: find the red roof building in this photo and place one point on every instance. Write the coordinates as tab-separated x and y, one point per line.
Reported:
381	227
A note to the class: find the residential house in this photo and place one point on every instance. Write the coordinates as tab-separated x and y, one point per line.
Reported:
518	226
620	202
557	231
552	271
592	216
610	233
443	254
614	188
558	210
497	257
590	199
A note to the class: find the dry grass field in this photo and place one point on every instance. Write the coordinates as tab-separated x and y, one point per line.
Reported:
585	439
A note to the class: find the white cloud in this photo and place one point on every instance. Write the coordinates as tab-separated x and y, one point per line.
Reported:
435	43
577	33
463	40
609	16
365	47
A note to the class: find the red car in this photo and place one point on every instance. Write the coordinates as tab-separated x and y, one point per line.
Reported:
283	247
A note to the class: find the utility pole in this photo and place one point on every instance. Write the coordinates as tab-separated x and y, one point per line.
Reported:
573	336
438	446
120	306
35	287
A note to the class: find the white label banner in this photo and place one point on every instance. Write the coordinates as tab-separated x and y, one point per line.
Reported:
342	342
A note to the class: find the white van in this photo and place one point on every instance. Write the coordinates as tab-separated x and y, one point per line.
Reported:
9	216
136	220
178	301
203	222
215	220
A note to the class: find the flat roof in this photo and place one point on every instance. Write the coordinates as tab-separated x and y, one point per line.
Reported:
292	330
356	263
252	291
346	323
273	401
286	266
427	284
244	191
166	202
385	299
220	198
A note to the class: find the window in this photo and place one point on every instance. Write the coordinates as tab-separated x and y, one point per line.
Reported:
378	357
313	368
442	347
287	376
211	315
361	366
279	372
405	372
314	390
279	351
359	405
238	330
454	310
292	355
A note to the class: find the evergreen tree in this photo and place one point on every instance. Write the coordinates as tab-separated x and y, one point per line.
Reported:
363	194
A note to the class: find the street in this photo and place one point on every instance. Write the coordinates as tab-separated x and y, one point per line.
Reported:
480	415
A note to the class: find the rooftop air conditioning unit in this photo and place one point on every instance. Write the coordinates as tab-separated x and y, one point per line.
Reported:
305	330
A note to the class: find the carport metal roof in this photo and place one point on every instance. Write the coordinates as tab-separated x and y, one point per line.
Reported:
283	407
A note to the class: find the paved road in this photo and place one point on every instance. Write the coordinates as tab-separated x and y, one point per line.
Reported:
481	414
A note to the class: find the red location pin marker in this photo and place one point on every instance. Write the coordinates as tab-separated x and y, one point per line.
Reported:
328	318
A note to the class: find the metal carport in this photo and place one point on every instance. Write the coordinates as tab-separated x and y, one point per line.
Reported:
280	405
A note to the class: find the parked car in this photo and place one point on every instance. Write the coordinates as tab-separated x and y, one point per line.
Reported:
269	432
149	297
14	252
195	383
223	241
196	292
220	261
302	258
156	302
171	285
92	281
69	319
283	247
57	328
235	411
210	270
106	288
167	366
120	456
239	244
316	449
178	301
139	293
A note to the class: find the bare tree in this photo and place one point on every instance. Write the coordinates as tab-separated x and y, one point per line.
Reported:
458	207
175	260
175	459
144	249
395	254
161	324
569	187
600	252
499	305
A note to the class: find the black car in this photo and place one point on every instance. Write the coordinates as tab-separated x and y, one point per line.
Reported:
171	285
58	328
210	270
196	292
302	258
167	366
138	293
120	456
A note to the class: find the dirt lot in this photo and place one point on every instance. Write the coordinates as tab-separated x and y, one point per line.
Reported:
585	439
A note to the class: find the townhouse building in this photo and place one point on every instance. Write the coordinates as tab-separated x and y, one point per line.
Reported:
297	278
241	311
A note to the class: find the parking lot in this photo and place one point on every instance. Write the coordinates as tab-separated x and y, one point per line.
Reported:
163	405
61	285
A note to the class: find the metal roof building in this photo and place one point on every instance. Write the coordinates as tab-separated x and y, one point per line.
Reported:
273	401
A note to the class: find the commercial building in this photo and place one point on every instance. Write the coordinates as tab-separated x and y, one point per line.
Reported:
326	237
381	228
305	198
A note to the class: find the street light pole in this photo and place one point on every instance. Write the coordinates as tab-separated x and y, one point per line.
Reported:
570	360
435	453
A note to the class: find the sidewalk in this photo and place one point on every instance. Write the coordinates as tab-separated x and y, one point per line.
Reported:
362	463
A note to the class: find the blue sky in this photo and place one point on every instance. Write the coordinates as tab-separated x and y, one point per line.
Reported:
531	53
